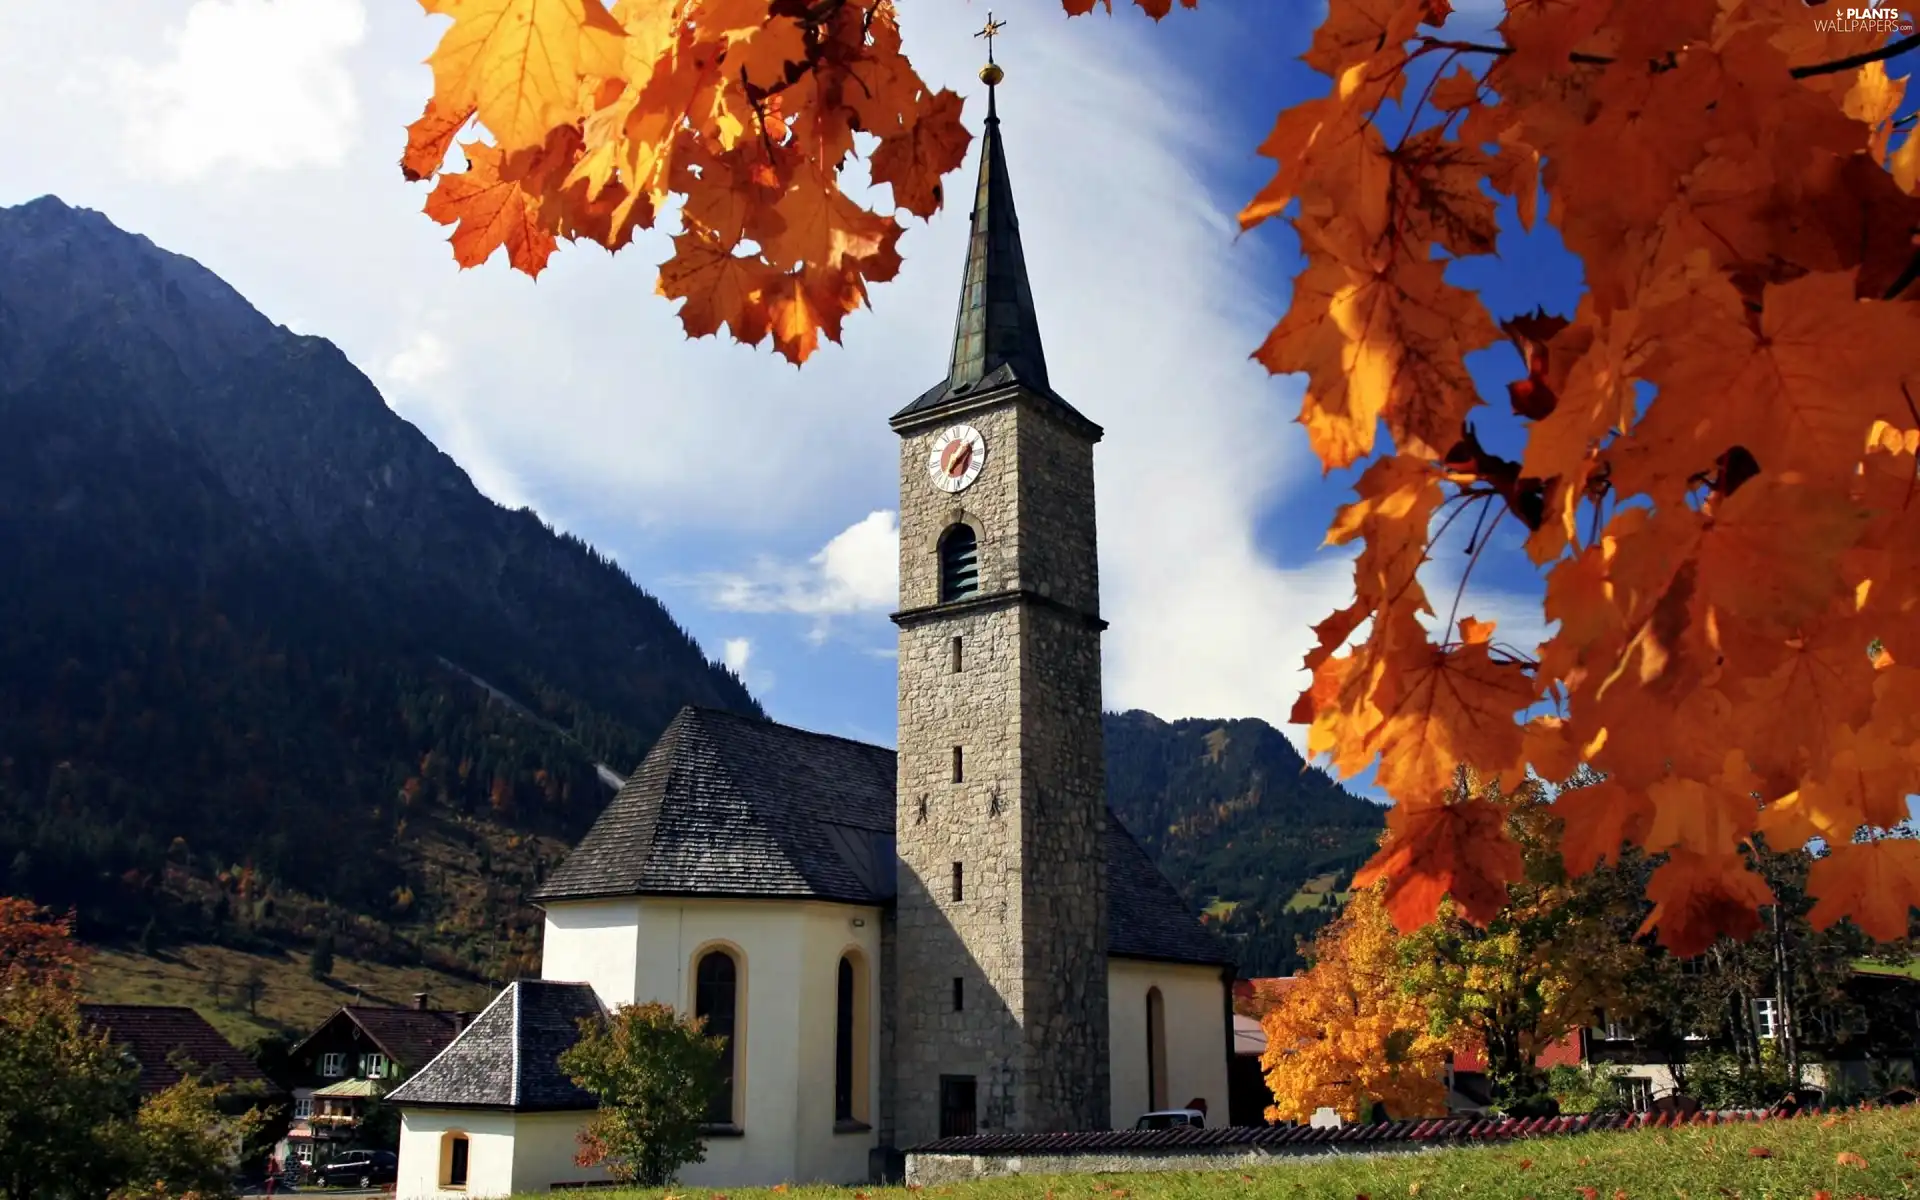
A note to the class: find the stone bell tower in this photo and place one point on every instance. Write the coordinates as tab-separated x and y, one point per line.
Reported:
1000	956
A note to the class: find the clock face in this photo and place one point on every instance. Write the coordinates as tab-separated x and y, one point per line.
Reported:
958	454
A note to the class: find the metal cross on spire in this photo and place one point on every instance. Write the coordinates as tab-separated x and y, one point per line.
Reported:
990	32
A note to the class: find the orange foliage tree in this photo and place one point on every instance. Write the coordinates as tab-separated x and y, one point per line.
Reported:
1346	1034
1717	559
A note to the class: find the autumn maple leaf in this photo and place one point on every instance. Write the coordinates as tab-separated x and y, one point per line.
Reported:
1875	883
1698	898
1459	850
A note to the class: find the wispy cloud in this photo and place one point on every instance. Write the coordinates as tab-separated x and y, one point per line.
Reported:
858	570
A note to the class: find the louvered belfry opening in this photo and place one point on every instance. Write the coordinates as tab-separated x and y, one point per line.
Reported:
959	563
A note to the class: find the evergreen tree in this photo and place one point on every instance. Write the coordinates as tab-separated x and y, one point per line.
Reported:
321	964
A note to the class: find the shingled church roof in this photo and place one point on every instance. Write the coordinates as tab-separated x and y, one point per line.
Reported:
726	805
509	1057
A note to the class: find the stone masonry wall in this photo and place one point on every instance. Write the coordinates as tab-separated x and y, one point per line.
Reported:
1064	812
1026	820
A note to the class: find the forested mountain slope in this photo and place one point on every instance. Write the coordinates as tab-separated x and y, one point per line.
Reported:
1240	822
242	613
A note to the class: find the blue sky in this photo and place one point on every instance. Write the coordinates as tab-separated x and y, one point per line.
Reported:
260	137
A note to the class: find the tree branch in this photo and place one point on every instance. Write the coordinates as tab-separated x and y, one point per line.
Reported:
1890	50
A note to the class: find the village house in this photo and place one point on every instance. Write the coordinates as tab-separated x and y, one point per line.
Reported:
169	1042
355	1057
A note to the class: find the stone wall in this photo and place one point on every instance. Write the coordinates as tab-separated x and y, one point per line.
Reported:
1025	820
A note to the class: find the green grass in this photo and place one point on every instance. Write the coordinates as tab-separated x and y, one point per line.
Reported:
206	978
1303	899
1222	910
1775	1160
1910	969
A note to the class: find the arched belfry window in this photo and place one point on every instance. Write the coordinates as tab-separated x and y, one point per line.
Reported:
959	563
716	995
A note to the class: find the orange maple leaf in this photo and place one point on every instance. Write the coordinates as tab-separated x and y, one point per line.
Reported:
1876	883
489	209
1461	850
1453	706
1697	898
913	160
519	63
1600	818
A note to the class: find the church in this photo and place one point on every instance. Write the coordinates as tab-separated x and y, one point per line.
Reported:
953	938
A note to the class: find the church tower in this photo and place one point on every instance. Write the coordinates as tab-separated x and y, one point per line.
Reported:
1000	929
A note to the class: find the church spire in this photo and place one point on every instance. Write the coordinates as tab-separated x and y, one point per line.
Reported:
996	327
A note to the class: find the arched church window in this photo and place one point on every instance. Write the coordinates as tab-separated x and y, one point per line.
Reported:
959	563
716	997
850	1037
1156	1050
843	1044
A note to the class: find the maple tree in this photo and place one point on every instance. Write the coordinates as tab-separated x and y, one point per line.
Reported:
1716	474
1345	1033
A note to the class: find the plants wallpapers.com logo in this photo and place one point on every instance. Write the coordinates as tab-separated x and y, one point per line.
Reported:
1874	18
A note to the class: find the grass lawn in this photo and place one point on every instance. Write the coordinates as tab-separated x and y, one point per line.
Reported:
1839	1157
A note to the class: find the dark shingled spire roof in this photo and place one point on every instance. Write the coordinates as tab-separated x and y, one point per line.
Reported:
996	336
727	805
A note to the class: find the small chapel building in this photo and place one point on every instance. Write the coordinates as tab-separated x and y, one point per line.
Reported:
956	938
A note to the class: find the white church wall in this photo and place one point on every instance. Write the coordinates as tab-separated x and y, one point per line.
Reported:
790	952
1193	1004
592	941
827	1155
543	1152
490	1152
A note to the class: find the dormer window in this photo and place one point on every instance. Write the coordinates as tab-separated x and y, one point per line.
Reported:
959	563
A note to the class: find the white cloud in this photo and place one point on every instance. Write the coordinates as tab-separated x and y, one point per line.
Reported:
260	84
424	358
858	570
735	653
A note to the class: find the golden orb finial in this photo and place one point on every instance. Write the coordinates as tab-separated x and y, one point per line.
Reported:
991	74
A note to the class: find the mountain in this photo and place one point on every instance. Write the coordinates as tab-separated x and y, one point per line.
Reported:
255	628
1242	825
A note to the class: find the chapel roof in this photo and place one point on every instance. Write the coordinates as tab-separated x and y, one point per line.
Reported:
727	805
509	1057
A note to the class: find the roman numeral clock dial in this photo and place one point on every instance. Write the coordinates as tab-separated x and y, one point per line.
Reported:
958	454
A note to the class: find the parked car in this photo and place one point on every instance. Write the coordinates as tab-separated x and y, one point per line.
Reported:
1173	1118
361	1168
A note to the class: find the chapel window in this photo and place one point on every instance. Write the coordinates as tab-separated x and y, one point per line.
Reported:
956	656
844	1034
1156	1050
716	998
959	765
959	563
454	1152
